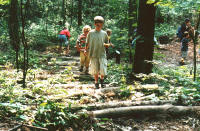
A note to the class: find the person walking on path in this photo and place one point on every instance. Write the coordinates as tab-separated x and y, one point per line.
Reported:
184	47
63	38
81	47
97	40
186	26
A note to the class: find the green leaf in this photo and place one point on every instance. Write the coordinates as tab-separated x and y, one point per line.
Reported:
43	104
150	1
23	117
3	2
105	119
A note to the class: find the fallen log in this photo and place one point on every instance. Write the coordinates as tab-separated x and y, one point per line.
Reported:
140	87
33	128
63	63
144	111
109	89
25	127
112	104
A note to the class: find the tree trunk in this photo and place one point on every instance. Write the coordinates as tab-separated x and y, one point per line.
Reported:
63	12
25	64
144	111
46	22
99	5
145	44
195	38
72	12
13	25
27	9
91	2
79	12
131	17
130	29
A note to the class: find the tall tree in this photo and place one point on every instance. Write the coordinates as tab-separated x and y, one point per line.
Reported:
64	11
195	41
131	17
145	43
27	9
130	28
72	12
25	55
13	25
79	12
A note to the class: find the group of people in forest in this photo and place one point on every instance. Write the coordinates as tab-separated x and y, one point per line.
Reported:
92	45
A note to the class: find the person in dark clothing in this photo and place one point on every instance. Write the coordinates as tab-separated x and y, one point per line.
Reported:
184	46
186	26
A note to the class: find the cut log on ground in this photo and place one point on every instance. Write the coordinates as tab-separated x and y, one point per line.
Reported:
117	89
112	104
144	111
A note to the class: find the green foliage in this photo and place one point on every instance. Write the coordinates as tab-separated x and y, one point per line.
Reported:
13	111
165	30
3	2
7	94
171	14
7	56
177	77
117	74
51	114
42	28
127	91
38	37
35	60
158	56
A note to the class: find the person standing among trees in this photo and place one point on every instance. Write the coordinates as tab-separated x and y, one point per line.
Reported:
184	46
186	26
96	40
63	38
109	32
81	47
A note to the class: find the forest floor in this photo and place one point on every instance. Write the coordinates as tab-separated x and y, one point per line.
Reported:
172	52
62	81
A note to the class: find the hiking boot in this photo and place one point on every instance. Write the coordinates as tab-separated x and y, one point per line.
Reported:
81	69
182	62
102	83
97	85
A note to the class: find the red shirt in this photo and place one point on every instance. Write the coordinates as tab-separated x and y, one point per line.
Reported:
82	41
65	32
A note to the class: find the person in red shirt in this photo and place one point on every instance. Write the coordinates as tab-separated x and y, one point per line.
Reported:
63	37
81	47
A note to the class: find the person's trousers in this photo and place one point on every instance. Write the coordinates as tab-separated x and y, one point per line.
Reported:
84	59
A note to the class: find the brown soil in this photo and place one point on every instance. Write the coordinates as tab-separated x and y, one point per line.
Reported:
172	52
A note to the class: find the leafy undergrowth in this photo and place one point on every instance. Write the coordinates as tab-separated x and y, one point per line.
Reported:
51	91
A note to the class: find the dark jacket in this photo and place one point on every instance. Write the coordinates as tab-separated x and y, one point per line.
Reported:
183	29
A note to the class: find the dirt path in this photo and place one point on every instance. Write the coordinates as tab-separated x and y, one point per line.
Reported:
84	84
66	84
172	52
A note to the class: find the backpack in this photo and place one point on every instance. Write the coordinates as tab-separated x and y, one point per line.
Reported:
179	33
